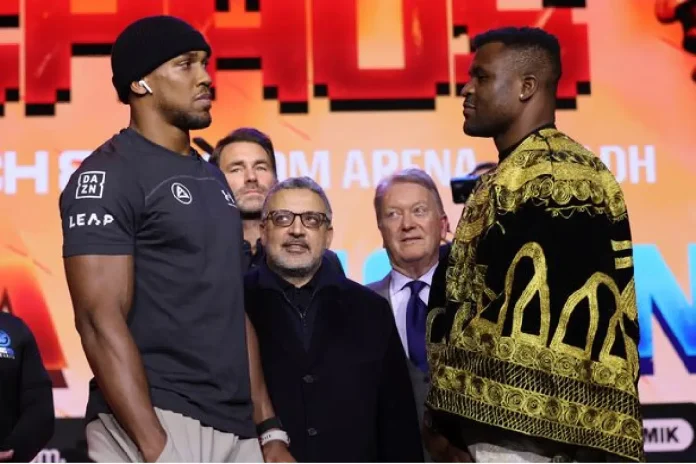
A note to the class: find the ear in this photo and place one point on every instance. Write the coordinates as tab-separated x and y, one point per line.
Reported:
264	234
444	227
329	238
530	84
138	89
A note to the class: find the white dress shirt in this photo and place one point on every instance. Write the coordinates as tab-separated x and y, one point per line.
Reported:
399	296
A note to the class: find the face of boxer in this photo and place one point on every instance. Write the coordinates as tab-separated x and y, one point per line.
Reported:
491	97
181	91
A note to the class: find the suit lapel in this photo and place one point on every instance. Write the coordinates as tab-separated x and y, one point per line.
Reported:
382	288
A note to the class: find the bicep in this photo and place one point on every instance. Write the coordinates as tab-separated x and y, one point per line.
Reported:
101	286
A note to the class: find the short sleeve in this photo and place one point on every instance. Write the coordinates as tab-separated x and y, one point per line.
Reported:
100	207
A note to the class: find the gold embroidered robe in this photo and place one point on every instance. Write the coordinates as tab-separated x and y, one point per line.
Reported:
539	331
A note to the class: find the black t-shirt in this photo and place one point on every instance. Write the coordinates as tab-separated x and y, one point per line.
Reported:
26	395
176	215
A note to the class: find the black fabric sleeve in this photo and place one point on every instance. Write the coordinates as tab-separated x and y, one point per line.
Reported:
100	208
581	254
399	437
36	416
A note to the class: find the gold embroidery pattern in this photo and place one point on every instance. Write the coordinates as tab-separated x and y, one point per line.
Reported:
559	178
624	262
621	245
536	383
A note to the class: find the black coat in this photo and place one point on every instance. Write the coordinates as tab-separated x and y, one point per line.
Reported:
348	398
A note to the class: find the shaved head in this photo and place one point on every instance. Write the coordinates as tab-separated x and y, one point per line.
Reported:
530	51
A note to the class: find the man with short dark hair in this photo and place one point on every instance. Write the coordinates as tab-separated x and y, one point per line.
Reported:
153	259
534	352
247	158
332	358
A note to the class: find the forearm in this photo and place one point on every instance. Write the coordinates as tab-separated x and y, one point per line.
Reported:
263	408
119	372
34	427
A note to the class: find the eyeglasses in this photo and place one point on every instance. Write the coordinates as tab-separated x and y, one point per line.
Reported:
285	218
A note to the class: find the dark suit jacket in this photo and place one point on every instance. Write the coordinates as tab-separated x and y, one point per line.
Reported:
349	397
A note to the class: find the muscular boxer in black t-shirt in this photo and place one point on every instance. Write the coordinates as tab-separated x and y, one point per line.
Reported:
153	258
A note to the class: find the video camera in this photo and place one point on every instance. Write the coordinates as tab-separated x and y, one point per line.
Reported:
463	186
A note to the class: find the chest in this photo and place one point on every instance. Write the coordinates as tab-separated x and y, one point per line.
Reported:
188	211
340	335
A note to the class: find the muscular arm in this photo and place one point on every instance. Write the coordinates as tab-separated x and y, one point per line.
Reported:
101	288
263	409
274	451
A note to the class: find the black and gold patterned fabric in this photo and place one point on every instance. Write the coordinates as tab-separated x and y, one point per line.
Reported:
539	330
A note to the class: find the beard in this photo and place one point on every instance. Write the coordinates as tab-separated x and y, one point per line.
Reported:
285	269
191	121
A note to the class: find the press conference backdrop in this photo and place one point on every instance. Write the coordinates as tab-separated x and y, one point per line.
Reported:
351	90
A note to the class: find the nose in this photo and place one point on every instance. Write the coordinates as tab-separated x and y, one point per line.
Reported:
468	89
204	78
250	175
296	229
407	222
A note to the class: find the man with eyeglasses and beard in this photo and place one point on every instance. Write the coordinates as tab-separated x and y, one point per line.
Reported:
332	357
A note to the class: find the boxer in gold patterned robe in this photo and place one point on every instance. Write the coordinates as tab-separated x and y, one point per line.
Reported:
533	353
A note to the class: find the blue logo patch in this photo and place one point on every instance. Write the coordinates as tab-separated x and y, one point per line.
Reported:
5	350
4	339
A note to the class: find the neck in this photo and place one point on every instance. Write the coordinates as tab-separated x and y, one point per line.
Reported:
417	269
161	133
251	228
521	129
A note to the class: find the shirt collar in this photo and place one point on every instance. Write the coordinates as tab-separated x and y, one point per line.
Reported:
505	153
398	280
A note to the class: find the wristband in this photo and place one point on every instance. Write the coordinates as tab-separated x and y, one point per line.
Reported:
273	435
268	424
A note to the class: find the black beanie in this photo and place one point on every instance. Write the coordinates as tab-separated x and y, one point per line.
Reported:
148	43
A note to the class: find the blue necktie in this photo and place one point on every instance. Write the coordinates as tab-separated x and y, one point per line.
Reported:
416	313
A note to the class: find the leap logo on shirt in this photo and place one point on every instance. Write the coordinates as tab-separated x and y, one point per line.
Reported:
92	219
6	350
90	184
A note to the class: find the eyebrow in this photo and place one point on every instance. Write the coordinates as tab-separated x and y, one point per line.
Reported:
241	163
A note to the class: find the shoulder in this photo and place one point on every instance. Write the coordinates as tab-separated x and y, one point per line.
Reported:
114	153
379	285
251	279
109	170
553	171
217	174
364	298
